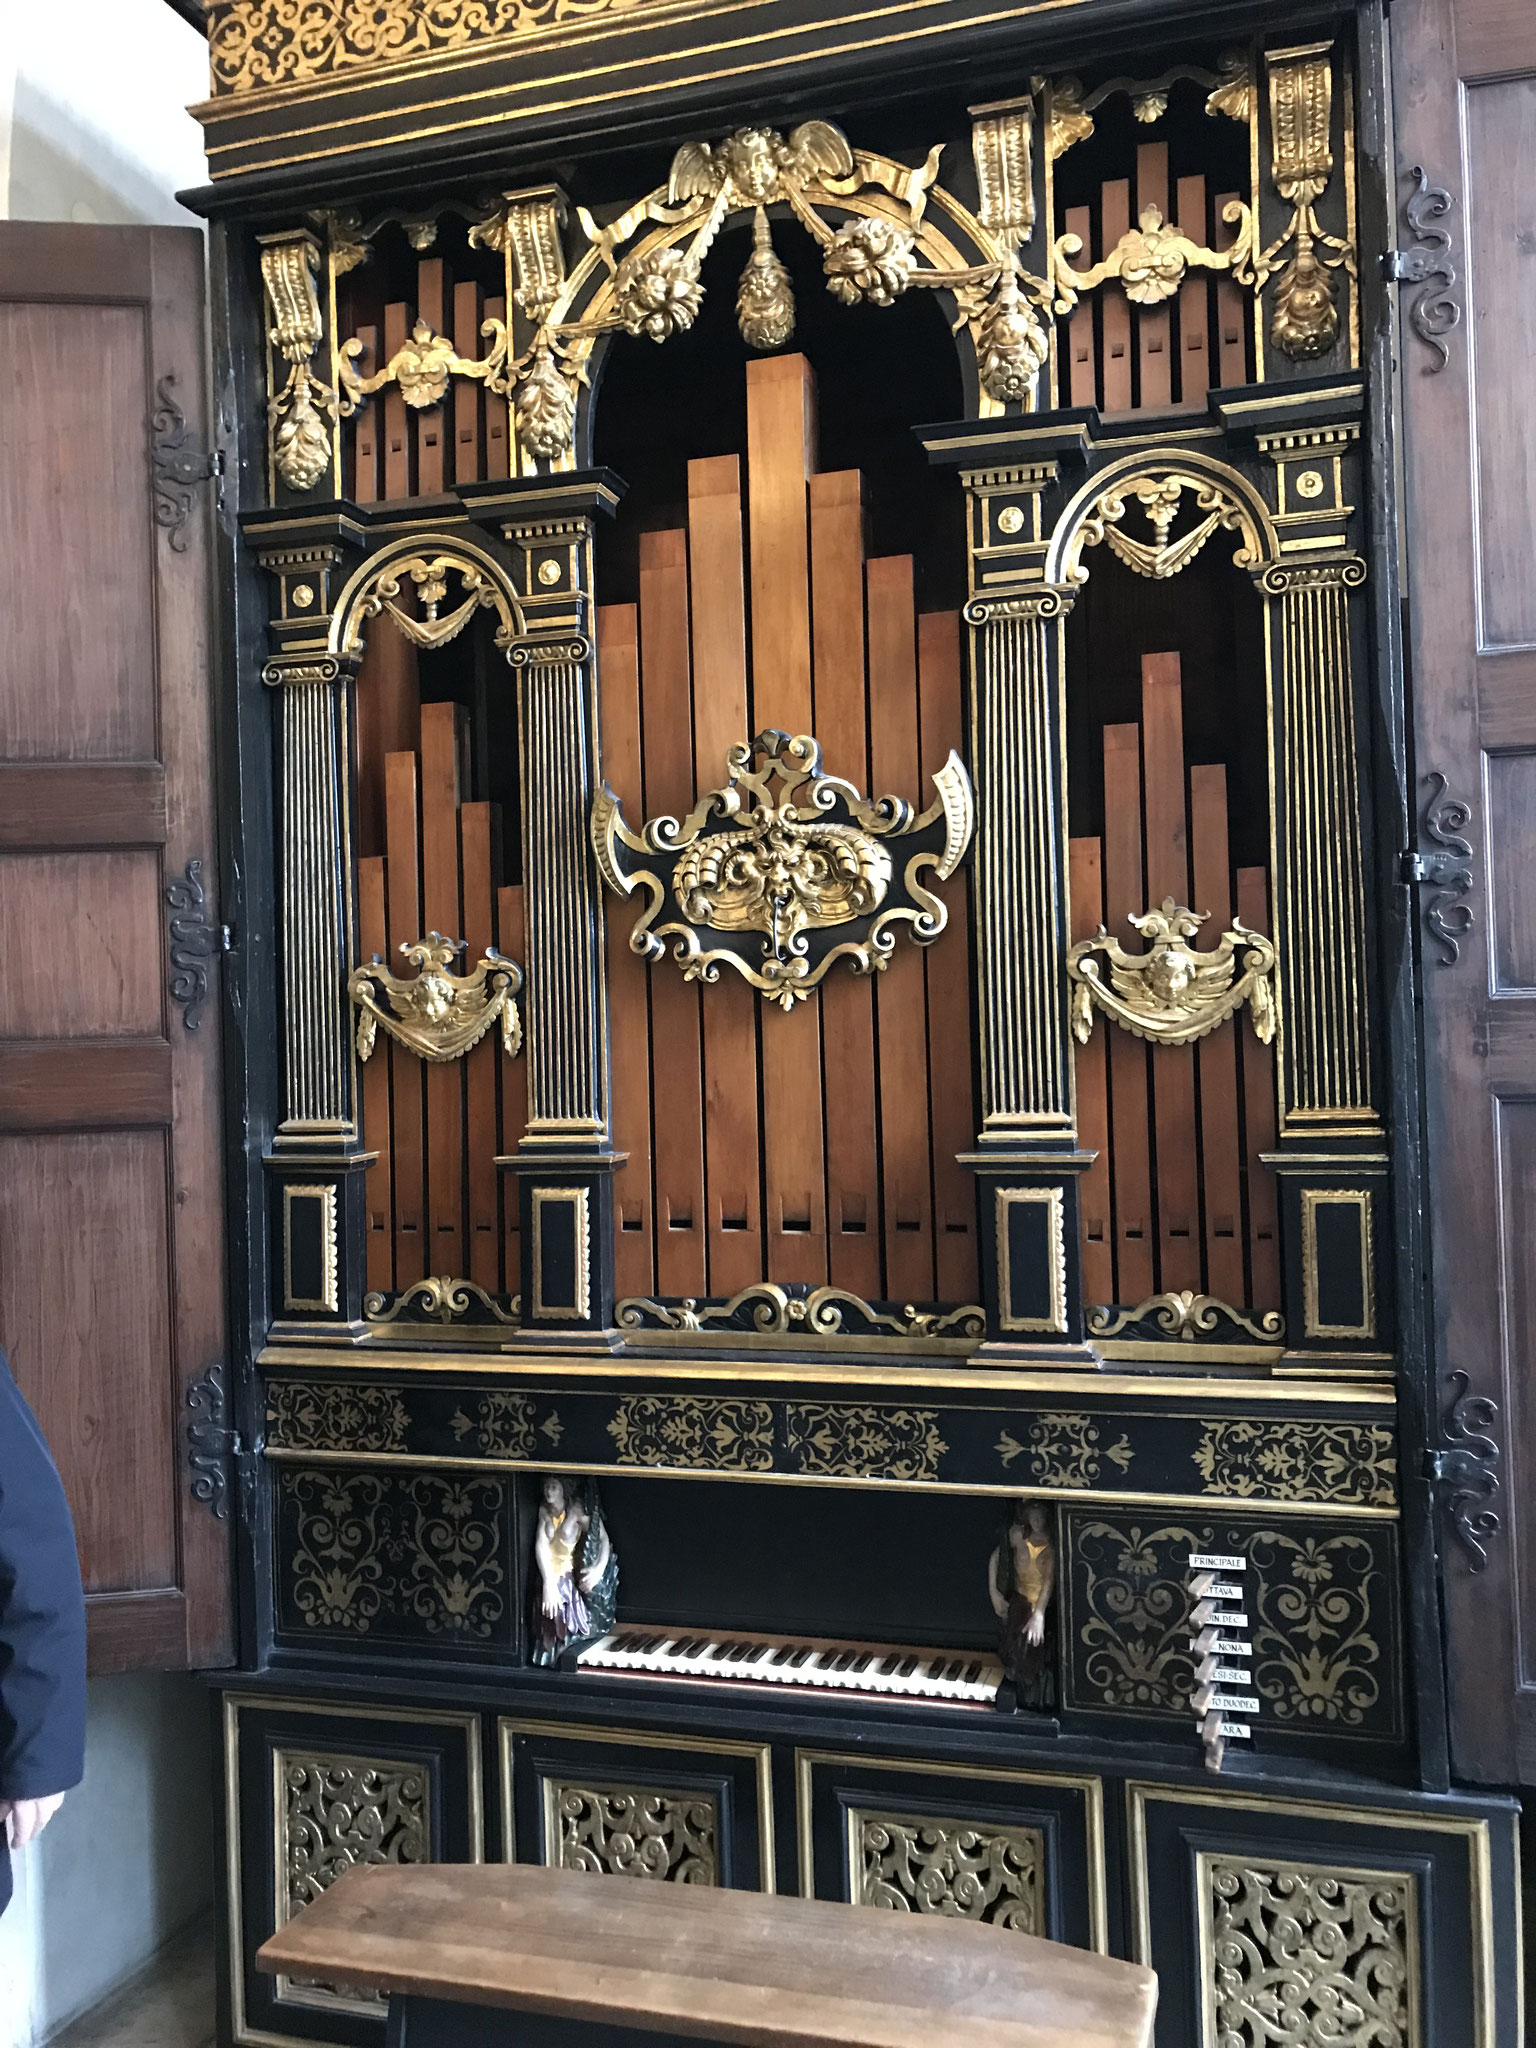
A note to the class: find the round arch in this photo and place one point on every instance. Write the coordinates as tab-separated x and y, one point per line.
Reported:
425	561
1224	498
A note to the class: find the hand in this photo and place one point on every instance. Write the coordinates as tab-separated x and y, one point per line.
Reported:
1034	1629
551	1600
25	1819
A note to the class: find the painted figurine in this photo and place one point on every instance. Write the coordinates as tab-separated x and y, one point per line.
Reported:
1021	1577
577	1570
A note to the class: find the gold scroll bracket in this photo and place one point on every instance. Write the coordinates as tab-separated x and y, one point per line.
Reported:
1172	994
432	1013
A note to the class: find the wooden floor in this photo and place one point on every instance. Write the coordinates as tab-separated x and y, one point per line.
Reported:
168	2005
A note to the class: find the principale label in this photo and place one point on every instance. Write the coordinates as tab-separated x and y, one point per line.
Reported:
1216	1561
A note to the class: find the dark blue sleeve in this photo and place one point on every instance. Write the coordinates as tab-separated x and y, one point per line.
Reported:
42	1614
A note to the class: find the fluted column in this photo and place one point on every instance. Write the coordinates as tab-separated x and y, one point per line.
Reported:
564	1161
1019	888
1026	1159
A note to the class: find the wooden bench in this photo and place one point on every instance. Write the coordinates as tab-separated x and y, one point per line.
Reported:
565	1958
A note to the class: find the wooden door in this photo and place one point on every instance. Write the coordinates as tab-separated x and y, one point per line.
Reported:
1464	75
111	1198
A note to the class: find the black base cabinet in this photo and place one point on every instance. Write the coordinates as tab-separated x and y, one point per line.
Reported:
1274	1906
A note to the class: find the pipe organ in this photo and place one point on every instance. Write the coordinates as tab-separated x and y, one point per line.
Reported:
808	653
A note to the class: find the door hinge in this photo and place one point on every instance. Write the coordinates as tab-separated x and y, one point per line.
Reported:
180	465
1464	1470
1434	311
1445	870
212	1444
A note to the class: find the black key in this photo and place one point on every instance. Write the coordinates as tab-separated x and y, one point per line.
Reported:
802	1657
972	1673
861	1663
906	1667
888	1665
783	1656
689	1647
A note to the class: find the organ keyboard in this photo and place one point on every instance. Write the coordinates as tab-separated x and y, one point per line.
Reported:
810	1661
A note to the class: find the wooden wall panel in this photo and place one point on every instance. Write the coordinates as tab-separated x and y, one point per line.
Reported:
74	408
373	940
947	971
1194	301
717	594
847	1000
1130	1093
1154	324
1086	868
403	869
1173	1066
513	1075
84	1301
399	445
441	747
1114	306
429	425
676	1036
478	832
97	916
1216	1055
900	1006
781	434
1258	1063
388	722
629	978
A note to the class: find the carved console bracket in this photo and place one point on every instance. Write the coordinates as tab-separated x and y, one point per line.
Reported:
788	871
1171	994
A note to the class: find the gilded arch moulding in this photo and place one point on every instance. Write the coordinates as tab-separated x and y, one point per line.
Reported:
884	228
1220	498
423	563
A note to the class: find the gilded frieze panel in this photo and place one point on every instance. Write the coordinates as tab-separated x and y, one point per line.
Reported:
633	1831
1145	1450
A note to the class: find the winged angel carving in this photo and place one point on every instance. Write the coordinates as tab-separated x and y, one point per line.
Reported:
784	873
1171	993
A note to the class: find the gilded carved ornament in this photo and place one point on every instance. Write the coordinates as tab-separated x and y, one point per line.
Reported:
437	1015
641	272
1171	994
299	411
425	624
1189	1316
1159	491
1306	316
1069	111
769	1310
779	871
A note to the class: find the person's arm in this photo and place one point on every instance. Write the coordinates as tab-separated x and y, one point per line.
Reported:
42	1627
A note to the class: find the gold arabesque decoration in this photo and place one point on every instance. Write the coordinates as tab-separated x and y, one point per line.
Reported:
435	1014
1160	492
1171	994
1190	1317
781	872
1152	258
443	1298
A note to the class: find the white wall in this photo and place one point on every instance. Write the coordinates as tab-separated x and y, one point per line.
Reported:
93	120
93	127
126	1861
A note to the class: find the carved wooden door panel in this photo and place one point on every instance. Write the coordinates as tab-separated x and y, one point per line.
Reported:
1465	88
111	1199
